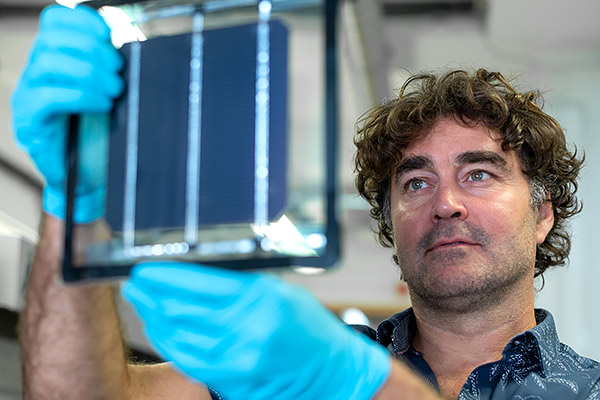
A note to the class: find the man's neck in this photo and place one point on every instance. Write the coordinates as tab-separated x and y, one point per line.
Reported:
454	344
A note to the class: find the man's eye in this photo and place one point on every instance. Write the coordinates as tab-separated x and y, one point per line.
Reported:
479	176
416	184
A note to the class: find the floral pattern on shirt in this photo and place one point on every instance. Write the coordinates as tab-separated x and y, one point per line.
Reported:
535	365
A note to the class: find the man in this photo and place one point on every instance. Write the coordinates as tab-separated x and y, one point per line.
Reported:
472	184
455	189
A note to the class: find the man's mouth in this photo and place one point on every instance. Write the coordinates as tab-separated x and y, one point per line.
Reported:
447	243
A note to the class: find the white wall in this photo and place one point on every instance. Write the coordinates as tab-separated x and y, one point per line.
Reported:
571	293
20	208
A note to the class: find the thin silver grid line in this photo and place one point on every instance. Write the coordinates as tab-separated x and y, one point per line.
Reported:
261	129
131	161
194	132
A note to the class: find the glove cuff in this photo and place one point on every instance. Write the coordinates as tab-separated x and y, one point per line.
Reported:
374	368
88	206
355	371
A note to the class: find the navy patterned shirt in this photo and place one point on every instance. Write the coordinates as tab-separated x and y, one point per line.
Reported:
535	365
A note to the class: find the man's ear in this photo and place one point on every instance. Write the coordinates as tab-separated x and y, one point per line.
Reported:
545	221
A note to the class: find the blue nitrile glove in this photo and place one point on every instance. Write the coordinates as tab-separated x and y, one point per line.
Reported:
253	336
72	68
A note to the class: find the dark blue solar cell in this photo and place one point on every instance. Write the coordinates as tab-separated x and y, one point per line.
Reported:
226	192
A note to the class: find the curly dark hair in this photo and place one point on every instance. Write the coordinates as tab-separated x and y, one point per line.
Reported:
484	98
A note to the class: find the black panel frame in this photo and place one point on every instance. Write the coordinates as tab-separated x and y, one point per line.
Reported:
330	256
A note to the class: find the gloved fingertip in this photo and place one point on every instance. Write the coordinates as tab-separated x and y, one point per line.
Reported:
115	86
111	59
157	269
48	13
189	278
82	18
152	271
135	296
128	292
134	272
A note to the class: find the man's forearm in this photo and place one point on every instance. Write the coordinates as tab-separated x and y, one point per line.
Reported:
71	345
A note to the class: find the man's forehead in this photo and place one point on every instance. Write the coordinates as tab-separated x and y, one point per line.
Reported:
456	143
450	137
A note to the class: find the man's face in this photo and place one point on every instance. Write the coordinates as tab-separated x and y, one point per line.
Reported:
464	229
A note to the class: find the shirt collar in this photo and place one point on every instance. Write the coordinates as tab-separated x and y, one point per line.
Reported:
523	351
545	336
398	331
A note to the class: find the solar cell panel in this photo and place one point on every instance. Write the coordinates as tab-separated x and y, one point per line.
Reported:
227	155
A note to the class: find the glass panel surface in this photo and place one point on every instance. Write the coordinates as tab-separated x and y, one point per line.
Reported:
220	150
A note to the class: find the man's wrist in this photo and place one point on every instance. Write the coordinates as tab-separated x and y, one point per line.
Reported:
54	203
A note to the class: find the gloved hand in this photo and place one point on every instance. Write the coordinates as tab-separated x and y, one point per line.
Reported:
72	68
253	336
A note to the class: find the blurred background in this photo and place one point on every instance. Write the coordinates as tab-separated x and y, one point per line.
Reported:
551	45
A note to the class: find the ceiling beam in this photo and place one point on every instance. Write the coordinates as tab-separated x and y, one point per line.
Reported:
21	10
409	8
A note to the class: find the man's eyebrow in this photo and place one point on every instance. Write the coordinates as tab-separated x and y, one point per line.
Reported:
413	163
482	156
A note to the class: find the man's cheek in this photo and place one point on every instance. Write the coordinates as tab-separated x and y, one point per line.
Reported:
405	243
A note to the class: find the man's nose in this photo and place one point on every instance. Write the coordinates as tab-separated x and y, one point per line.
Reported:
448	203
